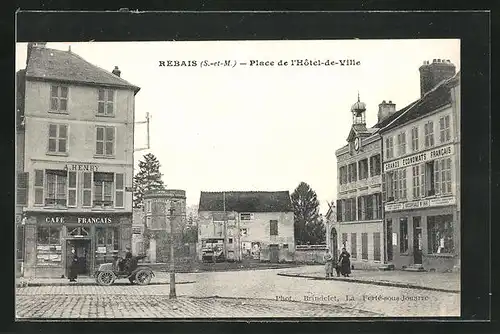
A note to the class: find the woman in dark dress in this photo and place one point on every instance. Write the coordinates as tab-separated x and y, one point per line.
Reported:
345	263
73	269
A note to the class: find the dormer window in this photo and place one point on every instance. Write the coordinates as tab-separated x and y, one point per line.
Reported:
105	103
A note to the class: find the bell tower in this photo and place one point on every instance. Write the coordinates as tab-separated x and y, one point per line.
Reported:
358	110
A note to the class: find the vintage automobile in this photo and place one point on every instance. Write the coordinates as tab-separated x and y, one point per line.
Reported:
124	268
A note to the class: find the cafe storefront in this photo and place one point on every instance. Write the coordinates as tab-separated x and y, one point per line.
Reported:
95	237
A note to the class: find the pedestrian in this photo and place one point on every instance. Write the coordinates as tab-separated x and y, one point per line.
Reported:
328	258
128	259
345	263
73	267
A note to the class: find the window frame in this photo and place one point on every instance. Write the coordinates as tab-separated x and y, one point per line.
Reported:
363	167
58	139
275	229
375	165
72	189
104	141
119	190
389	147
58	98
432	221
106	102
104	203
56	184
414	139
401	141
22	188
429	134
444	129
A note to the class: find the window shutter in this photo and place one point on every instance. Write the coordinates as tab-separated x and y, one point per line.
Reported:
38	185
119	190
87	189
99	140
72	189
437	177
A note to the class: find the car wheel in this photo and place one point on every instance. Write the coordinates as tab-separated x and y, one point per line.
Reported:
143	277
106	278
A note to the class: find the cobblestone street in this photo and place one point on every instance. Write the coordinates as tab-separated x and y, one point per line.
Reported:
259	293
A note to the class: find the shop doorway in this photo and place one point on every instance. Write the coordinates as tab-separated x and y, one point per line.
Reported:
417	241
82	250
274	253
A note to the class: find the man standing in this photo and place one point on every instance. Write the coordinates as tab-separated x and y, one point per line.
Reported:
328	258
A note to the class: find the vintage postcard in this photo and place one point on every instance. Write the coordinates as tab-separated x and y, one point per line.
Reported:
238	179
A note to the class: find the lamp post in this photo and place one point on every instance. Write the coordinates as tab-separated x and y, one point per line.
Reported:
172	294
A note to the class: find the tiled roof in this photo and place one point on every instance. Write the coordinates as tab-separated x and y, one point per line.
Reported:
246	201
436	98
51	64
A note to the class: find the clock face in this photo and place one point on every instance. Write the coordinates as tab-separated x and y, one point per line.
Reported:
356	144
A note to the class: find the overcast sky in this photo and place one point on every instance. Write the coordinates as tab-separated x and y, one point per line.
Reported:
258	128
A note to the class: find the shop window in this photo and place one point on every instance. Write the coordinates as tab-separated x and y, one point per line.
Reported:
354	246
119	190
364	246
107	237
363	169
389	147
105	140
440	234
56	191
105	102
414	139
442	176
444	129
38	185
22	189
58	138
49	245
376	246
401	137
273	230
429	134
375	165
103	189
403	235
20	243
59	98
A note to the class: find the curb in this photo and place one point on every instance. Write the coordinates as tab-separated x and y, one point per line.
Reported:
381	283
27	284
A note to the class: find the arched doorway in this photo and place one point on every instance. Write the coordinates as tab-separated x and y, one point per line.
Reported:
333	243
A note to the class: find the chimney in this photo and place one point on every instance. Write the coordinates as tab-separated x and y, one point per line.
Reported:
431	74
116	71
31	45
385	109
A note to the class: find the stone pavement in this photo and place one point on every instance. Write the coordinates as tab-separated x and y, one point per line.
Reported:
151	306
445	282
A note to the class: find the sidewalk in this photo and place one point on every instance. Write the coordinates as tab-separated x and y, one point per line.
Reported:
160	278
445	282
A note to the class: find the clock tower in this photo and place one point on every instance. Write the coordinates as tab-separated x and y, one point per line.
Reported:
358	130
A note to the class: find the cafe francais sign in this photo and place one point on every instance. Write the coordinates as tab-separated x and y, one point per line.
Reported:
79	220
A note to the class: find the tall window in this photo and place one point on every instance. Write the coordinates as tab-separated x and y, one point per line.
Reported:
105	140
442	176
59	98
430	189
377	205
354	246
401	143
403	235
414	139
58	138
350	210
103	189
343	175
429	134
22	189
56	192
119	190
369	207
364	246
39	177
105	102
416	186
87	189
389	147
390	186
401	183
72	189
375	165
376	246
363	169
273	229
353	173
340	208
440	229
444	129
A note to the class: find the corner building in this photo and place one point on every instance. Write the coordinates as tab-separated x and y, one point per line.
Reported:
421	145
359	217
77	135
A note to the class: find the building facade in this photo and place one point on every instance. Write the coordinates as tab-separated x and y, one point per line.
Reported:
253	225
359	218
421	145
76	162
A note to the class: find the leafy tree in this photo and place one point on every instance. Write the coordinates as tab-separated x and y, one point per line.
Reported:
148	178
308	225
